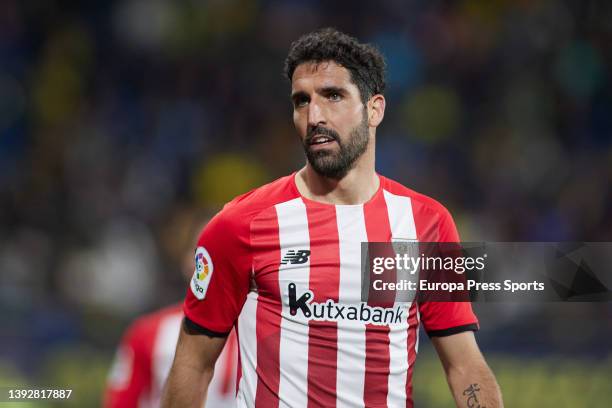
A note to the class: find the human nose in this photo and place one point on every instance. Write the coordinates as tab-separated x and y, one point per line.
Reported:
315	114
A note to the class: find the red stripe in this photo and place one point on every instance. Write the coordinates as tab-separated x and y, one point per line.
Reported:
376	382
265	245
324	281
413	327
228	365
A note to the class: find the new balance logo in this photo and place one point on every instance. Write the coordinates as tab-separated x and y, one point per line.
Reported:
294	257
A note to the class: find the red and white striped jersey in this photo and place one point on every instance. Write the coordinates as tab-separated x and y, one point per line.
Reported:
143	361
287	271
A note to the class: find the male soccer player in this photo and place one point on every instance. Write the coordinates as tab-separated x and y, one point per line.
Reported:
276	257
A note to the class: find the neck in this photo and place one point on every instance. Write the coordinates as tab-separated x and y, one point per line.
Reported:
356	187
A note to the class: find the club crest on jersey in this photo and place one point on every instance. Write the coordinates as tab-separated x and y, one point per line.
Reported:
202	274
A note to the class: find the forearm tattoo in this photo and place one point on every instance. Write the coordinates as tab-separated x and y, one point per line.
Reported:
471	393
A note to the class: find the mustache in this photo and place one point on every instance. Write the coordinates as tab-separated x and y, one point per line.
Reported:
320	130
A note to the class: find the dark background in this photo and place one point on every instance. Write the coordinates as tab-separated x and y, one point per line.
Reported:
124	123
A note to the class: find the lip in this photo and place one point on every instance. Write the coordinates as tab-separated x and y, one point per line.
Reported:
321	146
331	140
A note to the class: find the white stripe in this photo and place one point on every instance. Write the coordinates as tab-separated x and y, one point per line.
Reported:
401	220
351	335
401	217
164	346
398	366
403	234
247	335
293	353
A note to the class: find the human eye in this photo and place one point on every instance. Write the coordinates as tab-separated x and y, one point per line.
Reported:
335	96
300	101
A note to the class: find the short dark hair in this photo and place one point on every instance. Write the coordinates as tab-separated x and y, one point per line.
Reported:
363	61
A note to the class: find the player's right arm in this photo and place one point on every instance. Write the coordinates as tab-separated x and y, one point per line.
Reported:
192	369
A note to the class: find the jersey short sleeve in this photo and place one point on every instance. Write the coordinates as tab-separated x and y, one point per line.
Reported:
220	282
447	318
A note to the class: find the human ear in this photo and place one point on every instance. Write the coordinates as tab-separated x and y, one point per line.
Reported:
376	110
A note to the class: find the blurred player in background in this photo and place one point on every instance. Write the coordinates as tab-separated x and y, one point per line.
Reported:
282	263
144	356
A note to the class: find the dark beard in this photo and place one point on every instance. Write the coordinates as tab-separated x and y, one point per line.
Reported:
336	165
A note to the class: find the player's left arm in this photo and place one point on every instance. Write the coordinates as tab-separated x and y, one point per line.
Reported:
471	381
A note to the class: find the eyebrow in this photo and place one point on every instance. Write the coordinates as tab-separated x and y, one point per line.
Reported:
332	89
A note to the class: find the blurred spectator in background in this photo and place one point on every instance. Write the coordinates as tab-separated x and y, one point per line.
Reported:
144	357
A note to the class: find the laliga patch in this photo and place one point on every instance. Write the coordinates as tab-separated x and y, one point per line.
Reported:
202	274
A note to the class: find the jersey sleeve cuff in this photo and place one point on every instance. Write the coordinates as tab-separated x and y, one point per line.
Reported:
193	326
453	330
